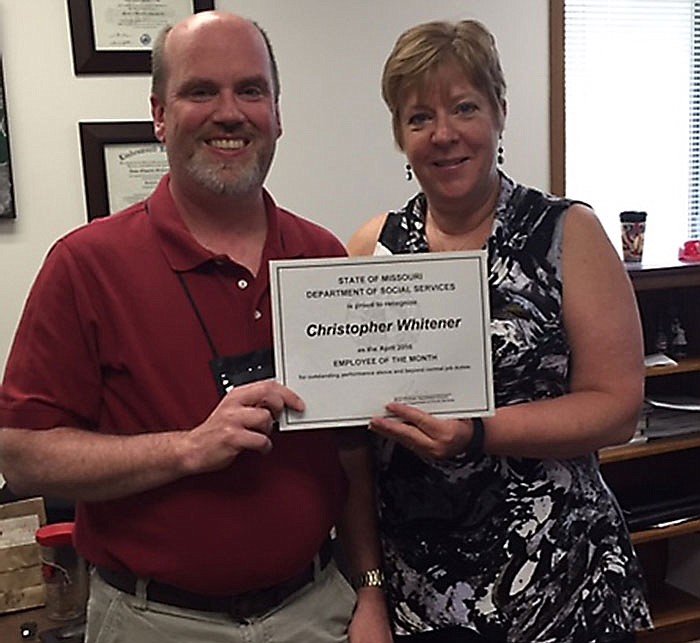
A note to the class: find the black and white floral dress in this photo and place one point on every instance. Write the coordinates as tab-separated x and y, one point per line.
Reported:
520	550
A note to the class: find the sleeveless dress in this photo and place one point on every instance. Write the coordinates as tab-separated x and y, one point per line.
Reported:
519	550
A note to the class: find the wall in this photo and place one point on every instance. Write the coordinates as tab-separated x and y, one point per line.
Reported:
336	162
44	102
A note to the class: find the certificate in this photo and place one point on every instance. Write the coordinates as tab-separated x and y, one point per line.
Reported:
133	171
134	24
353	334
116	36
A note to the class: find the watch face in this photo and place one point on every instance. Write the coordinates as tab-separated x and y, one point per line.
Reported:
231	371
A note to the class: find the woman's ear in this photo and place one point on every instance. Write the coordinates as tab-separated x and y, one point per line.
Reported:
504	113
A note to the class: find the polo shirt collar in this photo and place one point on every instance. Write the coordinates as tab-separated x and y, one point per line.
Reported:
183	252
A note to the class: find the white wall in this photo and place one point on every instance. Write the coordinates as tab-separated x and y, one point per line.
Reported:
44	102
336	162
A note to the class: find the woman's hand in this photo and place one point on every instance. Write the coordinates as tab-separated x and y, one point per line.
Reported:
422	433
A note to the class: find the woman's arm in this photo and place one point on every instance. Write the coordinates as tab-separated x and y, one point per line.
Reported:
358	533
607	357
364	240
606	373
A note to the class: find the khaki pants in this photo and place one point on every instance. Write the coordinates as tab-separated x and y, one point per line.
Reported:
317	613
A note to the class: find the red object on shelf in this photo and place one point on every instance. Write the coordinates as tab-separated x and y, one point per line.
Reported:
690	250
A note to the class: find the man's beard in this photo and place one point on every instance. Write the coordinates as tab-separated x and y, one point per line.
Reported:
231	179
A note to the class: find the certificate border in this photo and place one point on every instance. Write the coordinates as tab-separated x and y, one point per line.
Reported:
94	136
293	423
87	60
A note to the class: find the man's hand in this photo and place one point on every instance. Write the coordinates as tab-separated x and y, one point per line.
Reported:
242	421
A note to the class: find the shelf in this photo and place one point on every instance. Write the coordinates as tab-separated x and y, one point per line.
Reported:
663	468
649	448
664	533
676	616
678	275
686	365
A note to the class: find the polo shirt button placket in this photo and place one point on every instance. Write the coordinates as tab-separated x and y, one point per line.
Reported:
242	284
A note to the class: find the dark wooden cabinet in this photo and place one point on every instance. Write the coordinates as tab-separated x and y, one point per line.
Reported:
664	467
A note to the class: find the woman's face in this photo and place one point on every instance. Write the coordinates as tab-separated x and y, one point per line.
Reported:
450	133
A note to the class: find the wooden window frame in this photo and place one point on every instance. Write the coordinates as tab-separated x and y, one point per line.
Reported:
557	106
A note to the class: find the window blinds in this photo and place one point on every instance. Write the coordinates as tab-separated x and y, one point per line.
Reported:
632	99
694	155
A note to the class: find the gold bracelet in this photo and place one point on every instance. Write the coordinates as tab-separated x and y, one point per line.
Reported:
370	578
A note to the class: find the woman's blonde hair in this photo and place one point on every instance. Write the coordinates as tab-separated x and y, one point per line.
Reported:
420	50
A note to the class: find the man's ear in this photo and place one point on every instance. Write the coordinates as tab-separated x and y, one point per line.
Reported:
278	114
158	115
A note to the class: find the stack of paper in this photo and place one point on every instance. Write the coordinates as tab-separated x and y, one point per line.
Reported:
672	415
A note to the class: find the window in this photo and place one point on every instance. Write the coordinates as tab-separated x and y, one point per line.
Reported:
631	140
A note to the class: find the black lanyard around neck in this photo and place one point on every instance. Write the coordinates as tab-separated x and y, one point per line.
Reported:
198	315
232	370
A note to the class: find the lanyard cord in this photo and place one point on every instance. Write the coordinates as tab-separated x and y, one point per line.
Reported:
198	314
190	298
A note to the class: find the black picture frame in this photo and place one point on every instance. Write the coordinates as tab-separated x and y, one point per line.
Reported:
7	189
94	136
87	60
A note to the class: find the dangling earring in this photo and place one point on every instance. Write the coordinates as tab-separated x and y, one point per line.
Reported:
409	172
500	159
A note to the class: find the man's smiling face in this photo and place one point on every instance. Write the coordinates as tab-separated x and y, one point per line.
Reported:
219	117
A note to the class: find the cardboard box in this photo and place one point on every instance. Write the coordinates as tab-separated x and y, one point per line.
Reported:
21	582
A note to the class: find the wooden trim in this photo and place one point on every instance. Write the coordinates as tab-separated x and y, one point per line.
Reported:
678	275
634	451
557	113
664	533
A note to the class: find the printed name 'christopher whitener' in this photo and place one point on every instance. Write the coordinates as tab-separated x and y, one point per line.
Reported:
359	329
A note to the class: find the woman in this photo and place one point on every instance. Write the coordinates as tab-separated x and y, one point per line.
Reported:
502	529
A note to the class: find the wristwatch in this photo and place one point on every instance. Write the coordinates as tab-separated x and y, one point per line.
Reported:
370	578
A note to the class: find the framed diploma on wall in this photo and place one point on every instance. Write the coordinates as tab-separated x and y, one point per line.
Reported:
122	164
7	198
116	36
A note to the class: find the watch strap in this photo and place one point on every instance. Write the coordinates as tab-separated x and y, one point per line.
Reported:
370	578
475	449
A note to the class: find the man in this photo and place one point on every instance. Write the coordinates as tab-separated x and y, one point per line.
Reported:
201	522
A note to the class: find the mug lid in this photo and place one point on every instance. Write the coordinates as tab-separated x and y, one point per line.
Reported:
633	216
